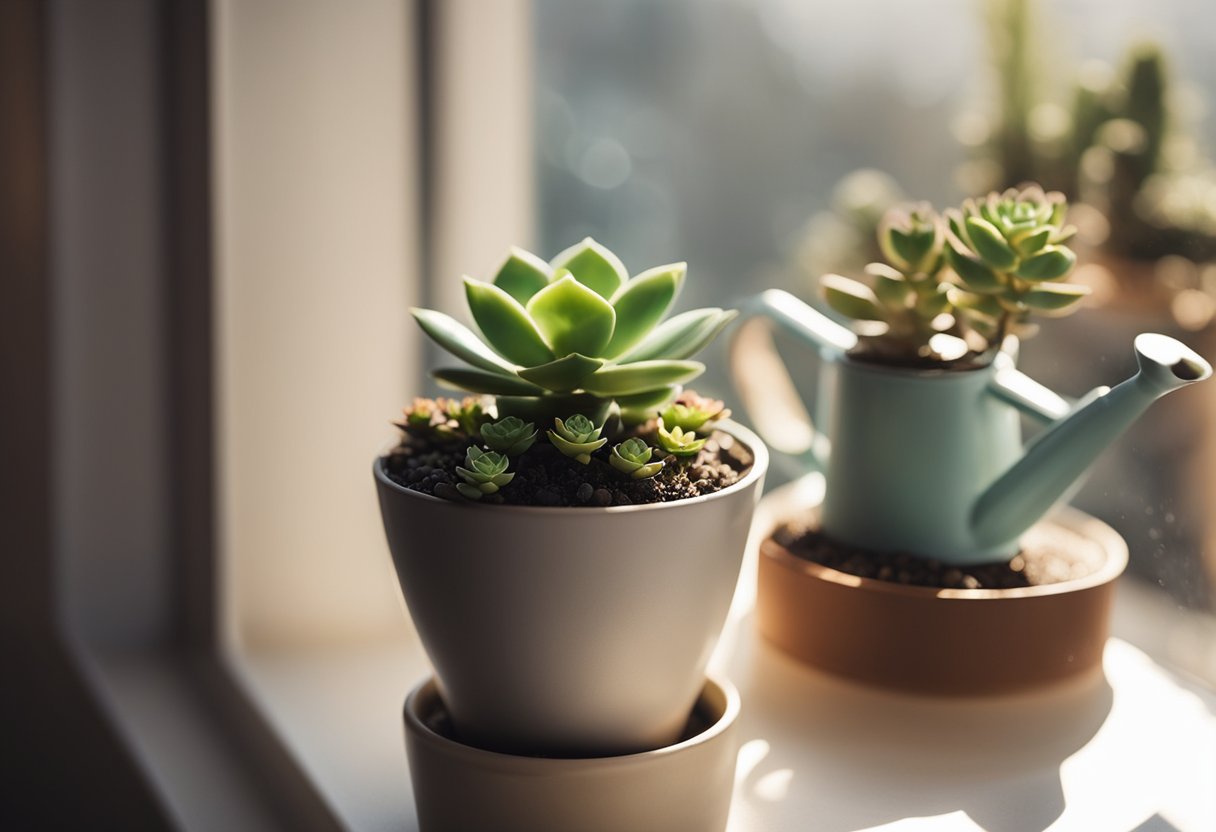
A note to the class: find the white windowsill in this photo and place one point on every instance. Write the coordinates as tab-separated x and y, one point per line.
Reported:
1135	750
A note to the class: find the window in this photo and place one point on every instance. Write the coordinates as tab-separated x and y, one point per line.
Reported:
243	199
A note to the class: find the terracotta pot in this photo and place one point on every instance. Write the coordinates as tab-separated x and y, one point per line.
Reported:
684	787
570	630
941	641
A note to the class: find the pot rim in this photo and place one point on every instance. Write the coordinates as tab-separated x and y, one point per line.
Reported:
522	764
760	460
919	373
1112	544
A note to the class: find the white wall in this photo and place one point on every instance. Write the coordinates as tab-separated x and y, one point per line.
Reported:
317	258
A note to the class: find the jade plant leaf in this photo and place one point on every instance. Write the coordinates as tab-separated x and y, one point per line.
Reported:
1028	243
523	274
890	287
479	381
641	303
989	244
459	340
563	375
594	266
681	336
641	376
975	273
1053	297
647	399
1051	263
505	324
572	318
851	299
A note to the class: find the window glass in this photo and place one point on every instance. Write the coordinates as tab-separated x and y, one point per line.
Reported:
718	131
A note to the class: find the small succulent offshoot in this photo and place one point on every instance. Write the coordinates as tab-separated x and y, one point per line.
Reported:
692	412
484	472
509	435
446	420
1009	254
677	441
468	413
577	437
632	457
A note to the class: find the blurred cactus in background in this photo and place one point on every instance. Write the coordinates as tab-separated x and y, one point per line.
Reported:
1120	146
1117	144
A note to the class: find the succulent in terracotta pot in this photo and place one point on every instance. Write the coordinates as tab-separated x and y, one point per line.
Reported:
545	530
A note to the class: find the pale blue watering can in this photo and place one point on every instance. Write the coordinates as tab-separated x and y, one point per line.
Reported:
931	461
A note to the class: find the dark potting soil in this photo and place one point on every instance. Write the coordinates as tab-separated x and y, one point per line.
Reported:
546	477
1050	554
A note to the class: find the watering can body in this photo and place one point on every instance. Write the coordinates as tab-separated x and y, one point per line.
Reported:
911	450
931	461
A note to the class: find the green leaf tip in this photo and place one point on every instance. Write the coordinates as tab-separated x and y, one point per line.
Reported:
594	266
523	274
505	324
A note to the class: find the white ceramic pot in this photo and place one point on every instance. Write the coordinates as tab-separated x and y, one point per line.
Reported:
685	787
570	630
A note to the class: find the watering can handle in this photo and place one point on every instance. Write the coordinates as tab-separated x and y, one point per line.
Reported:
765	388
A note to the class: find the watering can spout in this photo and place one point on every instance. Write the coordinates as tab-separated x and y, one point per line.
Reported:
1052	465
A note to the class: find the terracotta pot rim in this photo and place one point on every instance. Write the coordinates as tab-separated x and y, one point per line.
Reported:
427	690
760	459
1112	544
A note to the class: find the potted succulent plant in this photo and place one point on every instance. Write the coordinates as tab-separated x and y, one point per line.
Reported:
569	540
918	556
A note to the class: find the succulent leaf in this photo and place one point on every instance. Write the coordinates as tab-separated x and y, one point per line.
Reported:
522	275
563	375
641	376
1031	240
649	399
572	318
1052	263
681	336
480	381
852	299
505	324
459	340
891	289
593	266
641	303
911	237
990	244
974	272
1054	297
